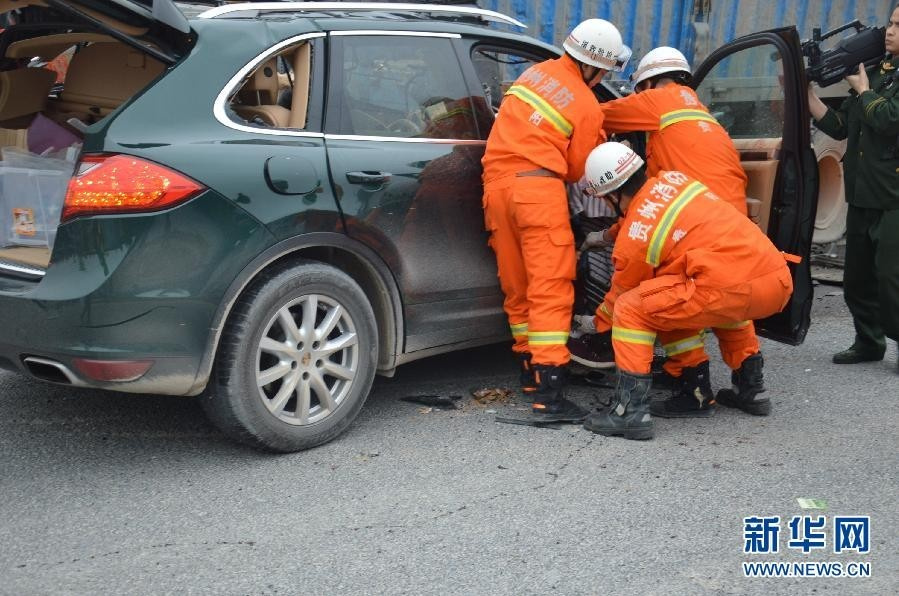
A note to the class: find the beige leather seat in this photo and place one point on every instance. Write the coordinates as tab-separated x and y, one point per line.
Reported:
23	93
100	78
258	98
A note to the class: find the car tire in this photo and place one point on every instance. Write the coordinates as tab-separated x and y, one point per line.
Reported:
296	359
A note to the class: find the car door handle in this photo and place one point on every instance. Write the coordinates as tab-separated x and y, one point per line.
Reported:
368	177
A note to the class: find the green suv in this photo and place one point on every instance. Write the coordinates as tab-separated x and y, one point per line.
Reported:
269	203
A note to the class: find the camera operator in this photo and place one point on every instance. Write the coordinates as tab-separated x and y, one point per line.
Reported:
869	119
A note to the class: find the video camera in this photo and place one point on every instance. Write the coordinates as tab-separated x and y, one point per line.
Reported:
865	46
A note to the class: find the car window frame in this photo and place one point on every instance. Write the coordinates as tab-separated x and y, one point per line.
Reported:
332	114
501	45
314	115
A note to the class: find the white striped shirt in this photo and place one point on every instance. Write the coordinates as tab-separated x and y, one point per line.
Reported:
579	202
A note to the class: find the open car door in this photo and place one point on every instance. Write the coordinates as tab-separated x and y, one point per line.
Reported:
756	87
156	27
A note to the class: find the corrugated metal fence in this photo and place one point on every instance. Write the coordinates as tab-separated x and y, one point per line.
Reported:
645	24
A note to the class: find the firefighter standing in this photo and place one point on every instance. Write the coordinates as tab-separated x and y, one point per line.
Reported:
683	261
869	119
685	137
547	124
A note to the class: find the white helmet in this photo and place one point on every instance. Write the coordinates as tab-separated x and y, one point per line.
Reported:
609	166
659	61
598	43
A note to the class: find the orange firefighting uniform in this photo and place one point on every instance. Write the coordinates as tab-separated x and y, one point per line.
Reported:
685	261
683	136
548	123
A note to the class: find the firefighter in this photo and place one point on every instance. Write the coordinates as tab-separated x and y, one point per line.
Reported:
684	260
548	123
684	137
869	119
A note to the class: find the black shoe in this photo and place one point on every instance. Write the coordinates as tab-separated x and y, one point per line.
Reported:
748	386
663	380
628	416
592	378
558	410
593	350
856	354
692	398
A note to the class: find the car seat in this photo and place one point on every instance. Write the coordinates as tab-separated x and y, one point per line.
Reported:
257	100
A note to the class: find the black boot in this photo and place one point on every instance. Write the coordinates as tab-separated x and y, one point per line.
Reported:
858	353
628	415
526	374
691	398
748	385
550	404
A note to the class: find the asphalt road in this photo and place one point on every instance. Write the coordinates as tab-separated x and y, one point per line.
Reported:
106	493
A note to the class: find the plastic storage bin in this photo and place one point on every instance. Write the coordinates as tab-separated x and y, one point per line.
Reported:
31	202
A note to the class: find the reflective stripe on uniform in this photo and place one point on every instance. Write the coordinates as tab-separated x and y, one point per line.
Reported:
737	325
547	338
657	242
605	310
542	106
872	105
684	115
519	329
633	336
684	345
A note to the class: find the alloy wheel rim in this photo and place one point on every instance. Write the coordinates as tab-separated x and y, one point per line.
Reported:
307	360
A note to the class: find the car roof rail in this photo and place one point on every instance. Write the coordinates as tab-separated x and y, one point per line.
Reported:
431	10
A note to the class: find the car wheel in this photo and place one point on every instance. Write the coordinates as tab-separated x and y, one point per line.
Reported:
296	359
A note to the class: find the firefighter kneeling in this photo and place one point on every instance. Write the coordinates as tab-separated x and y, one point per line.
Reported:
685	260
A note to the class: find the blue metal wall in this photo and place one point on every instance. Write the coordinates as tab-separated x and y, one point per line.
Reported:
645	24
733	18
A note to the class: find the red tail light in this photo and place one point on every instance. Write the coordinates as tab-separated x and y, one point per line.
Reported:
124	184
119	371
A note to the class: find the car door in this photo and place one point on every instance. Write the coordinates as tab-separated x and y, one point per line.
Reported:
755	87
404	147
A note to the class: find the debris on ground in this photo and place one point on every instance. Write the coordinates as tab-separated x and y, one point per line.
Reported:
827	275
492	395
812	503
450	402
827	261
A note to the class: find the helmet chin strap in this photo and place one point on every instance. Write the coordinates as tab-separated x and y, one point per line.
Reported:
591	80
584	69
616	203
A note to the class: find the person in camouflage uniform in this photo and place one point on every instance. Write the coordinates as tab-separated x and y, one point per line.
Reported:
869	119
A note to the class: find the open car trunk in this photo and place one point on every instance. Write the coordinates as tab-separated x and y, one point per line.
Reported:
63	68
